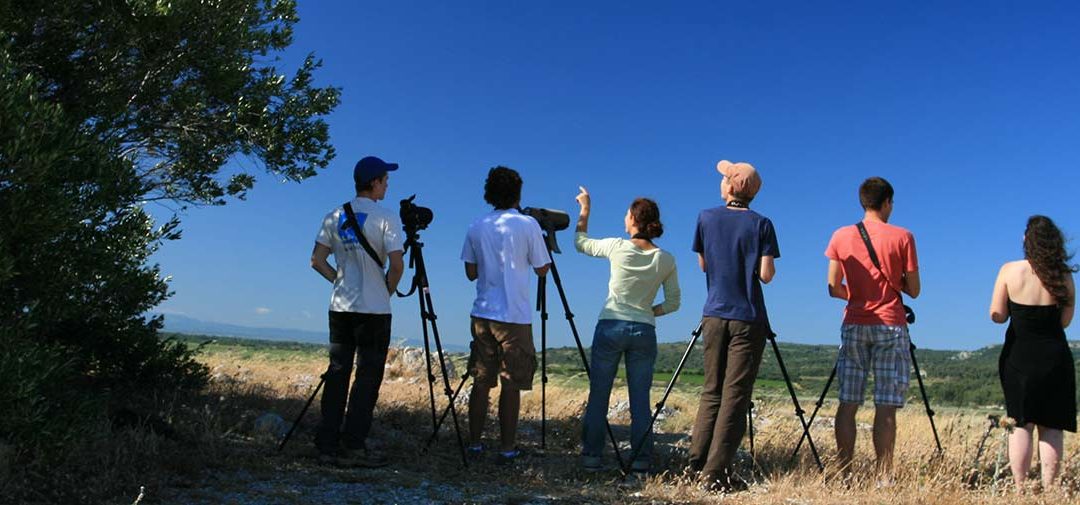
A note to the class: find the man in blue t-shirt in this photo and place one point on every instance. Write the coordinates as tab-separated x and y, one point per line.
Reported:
736	248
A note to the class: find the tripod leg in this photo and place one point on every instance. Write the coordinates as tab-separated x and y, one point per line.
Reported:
926	399
427	312
426	293
795	401
541	300
427	362
624	466
750	426
667	392
446	411
813	415
322	380
973	474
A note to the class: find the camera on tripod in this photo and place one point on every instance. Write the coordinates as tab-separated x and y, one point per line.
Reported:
414	217
551	221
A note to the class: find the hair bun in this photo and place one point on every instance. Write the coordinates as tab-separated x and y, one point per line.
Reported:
654	229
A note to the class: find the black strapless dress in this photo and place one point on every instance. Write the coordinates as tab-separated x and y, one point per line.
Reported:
1036	368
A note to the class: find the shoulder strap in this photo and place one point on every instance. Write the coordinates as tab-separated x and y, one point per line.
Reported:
869	246
873	256
350	220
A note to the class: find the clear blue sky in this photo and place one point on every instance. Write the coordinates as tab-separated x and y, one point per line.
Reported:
972	112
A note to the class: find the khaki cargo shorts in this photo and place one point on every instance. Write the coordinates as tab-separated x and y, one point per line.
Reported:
502	352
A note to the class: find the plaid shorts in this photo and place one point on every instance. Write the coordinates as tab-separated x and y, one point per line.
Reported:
884	349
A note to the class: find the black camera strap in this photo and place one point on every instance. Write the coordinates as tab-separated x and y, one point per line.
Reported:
350	220
908	312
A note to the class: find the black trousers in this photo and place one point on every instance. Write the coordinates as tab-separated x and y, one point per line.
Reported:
366	336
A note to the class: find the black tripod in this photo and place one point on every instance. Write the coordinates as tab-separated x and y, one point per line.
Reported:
783	370
828	384
415	248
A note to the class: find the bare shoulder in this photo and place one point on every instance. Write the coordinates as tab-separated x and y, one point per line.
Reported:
1017	266
1012	270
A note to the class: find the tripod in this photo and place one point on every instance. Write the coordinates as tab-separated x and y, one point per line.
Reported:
922	388
427	316
783	370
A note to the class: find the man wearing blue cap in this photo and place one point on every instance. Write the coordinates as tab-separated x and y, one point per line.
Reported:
362	236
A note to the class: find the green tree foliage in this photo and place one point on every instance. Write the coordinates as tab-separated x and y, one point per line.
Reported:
182	87
105	106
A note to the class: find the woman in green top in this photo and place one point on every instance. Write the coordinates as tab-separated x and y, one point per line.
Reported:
627	324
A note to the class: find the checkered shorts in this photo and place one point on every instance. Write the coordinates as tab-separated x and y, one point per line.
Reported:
886	350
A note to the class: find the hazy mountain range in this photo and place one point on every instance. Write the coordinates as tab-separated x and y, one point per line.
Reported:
176	323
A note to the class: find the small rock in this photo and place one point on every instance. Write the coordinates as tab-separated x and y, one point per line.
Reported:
665	413
619	408
271	425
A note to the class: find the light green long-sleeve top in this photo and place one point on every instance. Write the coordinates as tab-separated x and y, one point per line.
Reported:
636	277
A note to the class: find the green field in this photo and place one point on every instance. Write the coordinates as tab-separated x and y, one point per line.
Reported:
952	378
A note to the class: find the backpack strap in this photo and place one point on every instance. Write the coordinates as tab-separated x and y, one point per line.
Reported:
350	220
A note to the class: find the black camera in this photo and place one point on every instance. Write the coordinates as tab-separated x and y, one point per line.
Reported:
551	221
414	217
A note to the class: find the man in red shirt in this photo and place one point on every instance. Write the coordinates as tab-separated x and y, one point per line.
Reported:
874	334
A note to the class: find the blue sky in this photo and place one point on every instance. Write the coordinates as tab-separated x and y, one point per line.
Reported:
973	114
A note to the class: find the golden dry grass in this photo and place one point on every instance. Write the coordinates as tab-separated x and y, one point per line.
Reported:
403	423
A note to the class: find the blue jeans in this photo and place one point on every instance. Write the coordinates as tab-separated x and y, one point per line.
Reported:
612	339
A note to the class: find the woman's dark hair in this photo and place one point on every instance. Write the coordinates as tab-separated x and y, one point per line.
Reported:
874	192
502	188
647	217
1044	248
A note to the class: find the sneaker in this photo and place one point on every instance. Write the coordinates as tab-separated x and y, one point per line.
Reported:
508	457
592	464
475	451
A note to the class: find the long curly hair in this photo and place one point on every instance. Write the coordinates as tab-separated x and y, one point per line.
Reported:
1044	248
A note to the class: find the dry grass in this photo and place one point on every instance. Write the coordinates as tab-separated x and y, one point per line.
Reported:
251	385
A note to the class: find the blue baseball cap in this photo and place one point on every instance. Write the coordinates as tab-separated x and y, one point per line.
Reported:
370	168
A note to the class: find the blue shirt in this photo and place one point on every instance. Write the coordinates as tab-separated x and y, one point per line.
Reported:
733	242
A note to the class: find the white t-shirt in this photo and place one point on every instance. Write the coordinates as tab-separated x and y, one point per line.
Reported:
360	285
506	246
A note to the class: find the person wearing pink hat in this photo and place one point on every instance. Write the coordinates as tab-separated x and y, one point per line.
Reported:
736	248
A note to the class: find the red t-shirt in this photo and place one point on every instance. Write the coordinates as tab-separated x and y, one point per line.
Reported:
872	297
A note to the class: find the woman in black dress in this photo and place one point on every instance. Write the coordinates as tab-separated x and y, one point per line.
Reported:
1036	366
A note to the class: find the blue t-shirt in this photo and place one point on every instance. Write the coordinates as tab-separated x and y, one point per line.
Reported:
733	242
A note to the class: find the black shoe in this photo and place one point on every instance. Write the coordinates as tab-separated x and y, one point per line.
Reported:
365	458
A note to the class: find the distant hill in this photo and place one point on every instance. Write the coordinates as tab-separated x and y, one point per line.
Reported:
956	378
175	323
